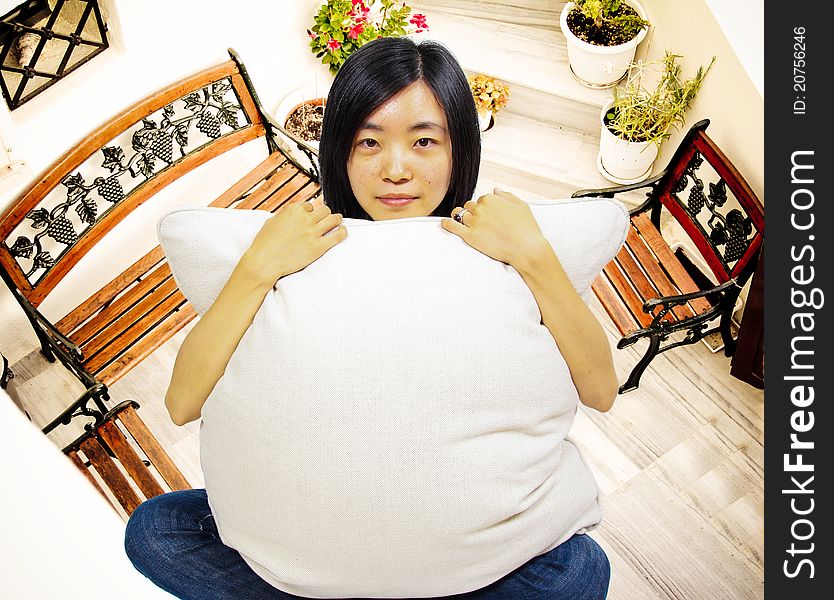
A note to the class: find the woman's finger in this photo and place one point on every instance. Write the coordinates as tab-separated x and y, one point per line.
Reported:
453	226
471	205
320	212
328	223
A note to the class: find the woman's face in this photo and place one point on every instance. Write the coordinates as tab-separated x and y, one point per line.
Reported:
401	160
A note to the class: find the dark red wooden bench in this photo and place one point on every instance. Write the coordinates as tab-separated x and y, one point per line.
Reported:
647	290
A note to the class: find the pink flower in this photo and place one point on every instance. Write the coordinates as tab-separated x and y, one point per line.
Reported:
355	2
312	35
333	44
356	30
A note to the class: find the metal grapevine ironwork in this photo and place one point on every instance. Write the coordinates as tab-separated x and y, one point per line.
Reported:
729	231
153	145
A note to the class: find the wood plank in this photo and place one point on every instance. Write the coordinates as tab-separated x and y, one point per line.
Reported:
274	182
655	272
122	304
94	303
143	327
629	297
110	474
640	281
132	356
273	162
613	305
288	194
667	259
129	459
150	446
126	320
74	458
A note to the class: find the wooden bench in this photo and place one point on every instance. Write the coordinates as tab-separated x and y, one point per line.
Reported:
650	291
94	186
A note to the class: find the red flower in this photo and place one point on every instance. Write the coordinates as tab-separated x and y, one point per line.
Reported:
312	35
333	44
356	30
419	21
355	2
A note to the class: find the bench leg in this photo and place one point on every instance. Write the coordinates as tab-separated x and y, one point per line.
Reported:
46	347
726	333
633	380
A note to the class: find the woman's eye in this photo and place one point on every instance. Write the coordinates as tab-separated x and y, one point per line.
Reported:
368	143
425	142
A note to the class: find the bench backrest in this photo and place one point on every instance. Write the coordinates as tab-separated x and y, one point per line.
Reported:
724	218
120	166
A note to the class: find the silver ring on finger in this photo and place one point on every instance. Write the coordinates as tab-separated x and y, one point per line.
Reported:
459	216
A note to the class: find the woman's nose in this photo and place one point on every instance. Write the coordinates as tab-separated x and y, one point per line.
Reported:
395	166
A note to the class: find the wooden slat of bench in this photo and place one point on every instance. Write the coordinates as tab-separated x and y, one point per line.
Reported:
644	286
664	254
130	357
290	193
124	321
150	446
659	278
110	474
137	329
122	304
94	303
273	162
630	299
76	460
269	186
129	459
613	305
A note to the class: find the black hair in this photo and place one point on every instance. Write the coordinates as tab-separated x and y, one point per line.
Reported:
370	77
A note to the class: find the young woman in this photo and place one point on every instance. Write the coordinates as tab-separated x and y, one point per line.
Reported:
400	139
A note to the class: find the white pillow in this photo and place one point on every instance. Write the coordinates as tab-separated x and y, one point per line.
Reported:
394	422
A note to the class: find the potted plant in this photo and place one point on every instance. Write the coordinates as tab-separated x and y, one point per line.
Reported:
638	119
602	38
490	96
342	26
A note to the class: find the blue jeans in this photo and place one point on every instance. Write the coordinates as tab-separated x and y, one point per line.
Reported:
173	541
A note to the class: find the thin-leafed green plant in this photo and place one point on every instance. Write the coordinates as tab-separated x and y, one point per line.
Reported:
605	11
641	114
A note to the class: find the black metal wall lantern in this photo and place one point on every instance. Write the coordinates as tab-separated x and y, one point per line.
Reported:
42	41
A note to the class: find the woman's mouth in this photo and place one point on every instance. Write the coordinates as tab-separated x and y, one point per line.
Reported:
396	199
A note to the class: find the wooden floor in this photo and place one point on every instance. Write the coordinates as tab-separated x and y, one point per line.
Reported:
679	462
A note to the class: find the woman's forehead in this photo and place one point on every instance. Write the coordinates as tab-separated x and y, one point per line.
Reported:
413	107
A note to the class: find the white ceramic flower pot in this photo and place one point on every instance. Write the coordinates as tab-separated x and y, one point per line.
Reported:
621	161
600	66
485	119
288	104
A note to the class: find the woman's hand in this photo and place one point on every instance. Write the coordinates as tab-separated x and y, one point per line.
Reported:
500	225
292	239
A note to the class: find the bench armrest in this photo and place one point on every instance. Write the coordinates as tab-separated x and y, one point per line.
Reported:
274	129
651	195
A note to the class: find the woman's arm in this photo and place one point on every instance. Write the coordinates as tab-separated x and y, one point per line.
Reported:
287	242
502	226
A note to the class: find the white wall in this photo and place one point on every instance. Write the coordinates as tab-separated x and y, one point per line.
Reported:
154	43
728	96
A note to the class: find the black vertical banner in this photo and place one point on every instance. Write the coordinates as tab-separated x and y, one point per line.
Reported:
799	425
